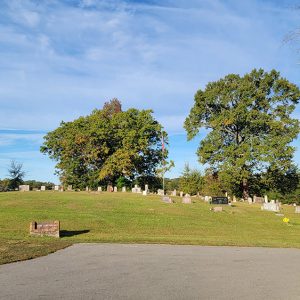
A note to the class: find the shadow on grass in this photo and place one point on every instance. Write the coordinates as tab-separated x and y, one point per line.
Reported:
68	233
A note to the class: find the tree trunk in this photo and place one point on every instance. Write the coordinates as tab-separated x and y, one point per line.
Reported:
245	189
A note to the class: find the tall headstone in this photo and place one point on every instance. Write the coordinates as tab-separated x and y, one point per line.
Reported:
110	188
115	189
43	188
56	188
174	193
181	194
144	193
233	199
297	210
266	199
249	200
146	188
99	188
87	189
123	189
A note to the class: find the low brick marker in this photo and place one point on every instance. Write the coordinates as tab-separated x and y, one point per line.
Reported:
45	229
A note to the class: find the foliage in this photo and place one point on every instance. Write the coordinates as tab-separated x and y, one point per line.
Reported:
212	185
122	182
33	184
4	185
191	181
108	144
16	174
249	124
172	184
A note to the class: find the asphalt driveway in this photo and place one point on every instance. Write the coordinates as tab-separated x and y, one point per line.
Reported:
114	271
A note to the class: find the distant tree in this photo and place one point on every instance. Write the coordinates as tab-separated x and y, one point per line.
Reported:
33	184
4	185
191	180
16	174
249	124
106	145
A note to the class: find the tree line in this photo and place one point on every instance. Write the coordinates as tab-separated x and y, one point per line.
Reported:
247	150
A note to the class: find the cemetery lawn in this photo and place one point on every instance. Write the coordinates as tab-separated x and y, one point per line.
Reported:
133	218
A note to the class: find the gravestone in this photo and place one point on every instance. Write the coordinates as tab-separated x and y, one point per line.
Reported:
44	229
110	188
217	209
24	188
207	198
99	188
297	210
136	189
219	200
270	206
167	199
187	199
181	194
258	199
123	189
173	193
43	188
56	188
146	188
69	188
145	193
160	192
249	200
115	189
266	198
233	199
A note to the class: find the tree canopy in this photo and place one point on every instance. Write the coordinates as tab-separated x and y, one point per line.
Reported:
105	145
249	125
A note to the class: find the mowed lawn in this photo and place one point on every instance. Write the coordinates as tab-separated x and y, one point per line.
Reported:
133	218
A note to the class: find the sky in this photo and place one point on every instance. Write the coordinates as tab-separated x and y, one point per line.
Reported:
61	59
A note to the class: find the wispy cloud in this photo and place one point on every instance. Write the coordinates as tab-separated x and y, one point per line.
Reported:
62	59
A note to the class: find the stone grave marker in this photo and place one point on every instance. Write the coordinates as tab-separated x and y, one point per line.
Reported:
266	198
110	188
174	193
181	194
233	199
217	209
270	206
145	193
99	189
187	199
24	188
258	199
115	189
43	188
56	188
160	192
167	199
249	200
219	200
123	189
47	228
146	188
297	210
69	188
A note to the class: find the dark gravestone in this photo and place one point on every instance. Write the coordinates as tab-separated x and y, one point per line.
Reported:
219	200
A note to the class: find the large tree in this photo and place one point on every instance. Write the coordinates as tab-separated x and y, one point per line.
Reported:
249	125
107	144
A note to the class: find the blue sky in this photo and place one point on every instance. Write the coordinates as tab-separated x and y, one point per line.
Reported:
61	59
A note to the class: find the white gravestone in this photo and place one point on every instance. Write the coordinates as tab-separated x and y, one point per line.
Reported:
187	199
266	199
43	188
56	188
249	200
181	194
145	193
166	199
24	188
297	210
160	192
271	207
115	189
99	189
123	189
146	188
174	193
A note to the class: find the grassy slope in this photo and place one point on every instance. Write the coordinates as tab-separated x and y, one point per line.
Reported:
131	218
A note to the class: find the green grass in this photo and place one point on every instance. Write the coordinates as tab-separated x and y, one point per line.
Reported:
132	218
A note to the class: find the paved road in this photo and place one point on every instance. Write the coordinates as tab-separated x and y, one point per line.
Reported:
111	271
